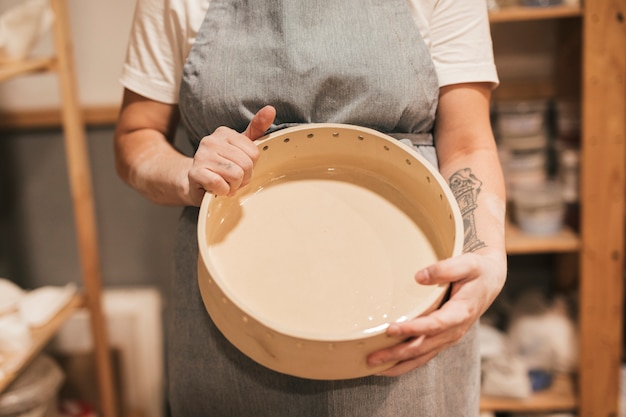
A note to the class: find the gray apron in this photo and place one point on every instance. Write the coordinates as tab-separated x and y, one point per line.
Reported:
360	62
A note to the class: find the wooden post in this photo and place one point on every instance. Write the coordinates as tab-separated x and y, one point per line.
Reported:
79	174
602	219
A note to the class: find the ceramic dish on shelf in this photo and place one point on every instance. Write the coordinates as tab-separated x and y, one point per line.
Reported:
521	118
304	268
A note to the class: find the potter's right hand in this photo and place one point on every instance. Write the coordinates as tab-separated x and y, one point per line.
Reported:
224	160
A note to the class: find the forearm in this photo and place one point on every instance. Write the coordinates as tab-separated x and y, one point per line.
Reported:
478	186
151	165
144	155
468	160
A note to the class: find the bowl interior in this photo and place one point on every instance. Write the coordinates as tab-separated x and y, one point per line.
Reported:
324	242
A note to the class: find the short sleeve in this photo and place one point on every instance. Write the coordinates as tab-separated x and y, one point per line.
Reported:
460	42
160	39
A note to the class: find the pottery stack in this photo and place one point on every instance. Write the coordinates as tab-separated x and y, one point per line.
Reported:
522	129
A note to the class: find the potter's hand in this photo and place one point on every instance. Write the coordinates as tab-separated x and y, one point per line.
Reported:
476	280
224	160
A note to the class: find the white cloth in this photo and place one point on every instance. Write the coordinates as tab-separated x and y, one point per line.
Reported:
22	26
456	32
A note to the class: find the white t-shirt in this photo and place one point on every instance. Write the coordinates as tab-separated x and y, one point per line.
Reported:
456	32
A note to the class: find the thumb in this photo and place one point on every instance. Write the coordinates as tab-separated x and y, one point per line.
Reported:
261	121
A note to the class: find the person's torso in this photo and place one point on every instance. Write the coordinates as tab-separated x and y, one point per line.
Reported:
359	62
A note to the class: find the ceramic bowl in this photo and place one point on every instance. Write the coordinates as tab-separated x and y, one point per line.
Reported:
304	268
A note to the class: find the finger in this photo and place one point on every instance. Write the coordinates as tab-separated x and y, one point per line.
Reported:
228	154
449	270
225	140
261	121
395	353
417	345
406	366
197	193
224	175
449	318
245	158
235	166
232	174
209	181
418	349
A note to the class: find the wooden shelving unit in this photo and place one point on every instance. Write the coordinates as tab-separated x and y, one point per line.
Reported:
594	391
79	177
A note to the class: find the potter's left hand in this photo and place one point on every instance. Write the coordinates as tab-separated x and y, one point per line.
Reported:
476	280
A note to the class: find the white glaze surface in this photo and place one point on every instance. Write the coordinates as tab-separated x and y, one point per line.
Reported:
322	258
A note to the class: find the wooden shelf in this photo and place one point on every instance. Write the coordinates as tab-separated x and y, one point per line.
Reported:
53	118
530	89
519	243
13	69
45	118
13	364
519	13
561	396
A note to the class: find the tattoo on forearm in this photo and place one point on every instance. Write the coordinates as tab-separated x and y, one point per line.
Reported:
465	187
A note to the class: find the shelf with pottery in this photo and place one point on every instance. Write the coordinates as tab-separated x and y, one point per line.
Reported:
520	243
12	364
561	396
596	31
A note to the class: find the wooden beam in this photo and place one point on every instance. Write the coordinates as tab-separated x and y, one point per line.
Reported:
11	69
79	175
602	221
